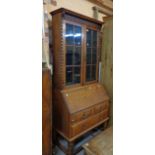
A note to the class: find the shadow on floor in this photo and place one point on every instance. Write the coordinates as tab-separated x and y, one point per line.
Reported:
85	139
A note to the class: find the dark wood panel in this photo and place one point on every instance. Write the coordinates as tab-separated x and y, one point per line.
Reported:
58	55
46	113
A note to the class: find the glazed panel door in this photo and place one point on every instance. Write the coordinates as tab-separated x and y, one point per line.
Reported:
73	46
91	55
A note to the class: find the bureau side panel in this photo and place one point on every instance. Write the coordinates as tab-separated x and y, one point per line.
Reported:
61	114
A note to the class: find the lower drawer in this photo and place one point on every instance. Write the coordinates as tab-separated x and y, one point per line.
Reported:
88	123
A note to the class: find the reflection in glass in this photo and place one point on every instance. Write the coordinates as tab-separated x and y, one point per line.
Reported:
77	74
88	55
73	53
94	56
69	55
77	56
77	35
94	38
88	73
69	75
69	34
94	72
88	38
91	55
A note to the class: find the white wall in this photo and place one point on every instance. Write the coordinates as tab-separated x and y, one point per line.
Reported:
81	6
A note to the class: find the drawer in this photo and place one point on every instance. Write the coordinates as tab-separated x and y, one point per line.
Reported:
100	107
81	115
88	123
103	115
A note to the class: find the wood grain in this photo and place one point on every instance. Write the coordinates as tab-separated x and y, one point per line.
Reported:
102	144
81	107
46	113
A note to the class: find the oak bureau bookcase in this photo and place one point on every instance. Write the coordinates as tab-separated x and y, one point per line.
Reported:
80	102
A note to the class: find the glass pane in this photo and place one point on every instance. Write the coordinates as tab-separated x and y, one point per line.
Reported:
69	73
94	38
77	35
76	74
94	72
77	56
88	55
69	55
88	73
88	38
94	56
69	34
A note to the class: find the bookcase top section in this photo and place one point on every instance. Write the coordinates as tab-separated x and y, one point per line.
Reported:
75	14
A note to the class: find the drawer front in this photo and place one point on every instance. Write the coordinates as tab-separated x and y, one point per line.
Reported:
77	117
81	115
100	107
103	115
86	124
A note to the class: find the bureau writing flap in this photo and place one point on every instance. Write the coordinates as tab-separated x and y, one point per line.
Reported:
84	97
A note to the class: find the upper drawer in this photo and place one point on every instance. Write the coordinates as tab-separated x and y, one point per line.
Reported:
100	107
82	115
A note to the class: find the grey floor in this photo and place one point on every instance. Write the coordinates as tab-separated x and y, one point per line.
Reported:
87	137
57	151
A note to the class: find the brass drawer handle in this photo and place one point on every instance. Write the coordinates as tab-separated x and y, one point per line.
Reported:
73	120
84	115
